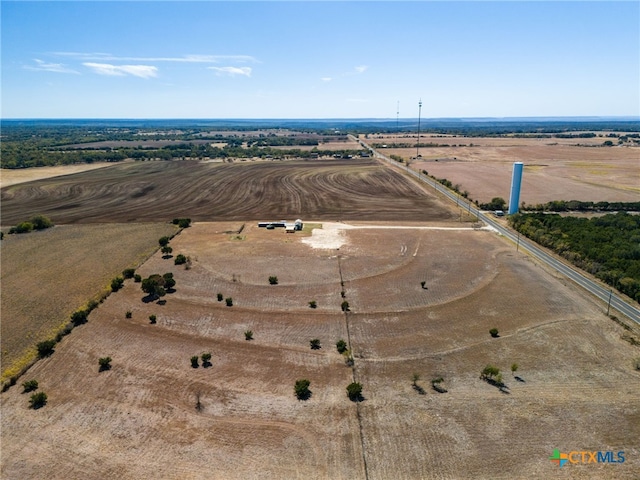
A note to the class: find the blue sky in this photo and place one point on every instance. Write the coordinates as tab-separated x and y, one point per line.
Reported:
330	59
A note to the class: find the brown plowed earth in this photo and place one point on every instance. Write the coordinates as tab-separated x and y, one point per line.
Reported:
157	191
578	389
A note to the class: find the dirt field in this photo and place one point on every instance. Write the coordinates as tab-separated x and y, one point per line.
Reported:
555	168
23	175
578	389
48	275
158	191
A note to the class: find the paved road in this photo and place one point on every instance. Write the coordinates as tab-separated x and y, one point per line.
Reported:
595	288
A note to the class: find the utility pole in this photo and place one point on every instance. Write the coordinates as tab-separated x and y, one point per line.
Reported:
419	114
609	304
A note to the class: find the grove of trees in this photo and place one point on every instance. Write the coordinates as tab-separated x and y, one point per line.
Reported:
607	246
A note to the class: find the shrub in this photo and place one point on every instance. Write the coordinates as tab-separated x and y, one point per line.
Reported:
194	361
220	297
182	222
206	359
348	358
414	379
273	280
315	344
354	392
494	332
116	284
30	386
345	306
105	363
301	389
23	227
79	317
489	372
40	222
248	335
152	319
514	368
169	281
423	283
137	278
128	314
341	346
128	272
38	400
313	304
166	250
45	348
180	259
164	241
229	301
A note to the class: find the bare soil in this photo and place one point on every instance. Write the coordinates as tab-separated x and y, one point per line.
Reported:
327	189
577	390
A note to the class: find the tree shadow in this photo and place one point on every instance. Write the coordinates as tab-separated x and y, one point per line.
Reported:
104	368
161	302
206	364
171	290
303	396
357	398
316	347
520	379
439	388
149	298
419	389
167	257
499	385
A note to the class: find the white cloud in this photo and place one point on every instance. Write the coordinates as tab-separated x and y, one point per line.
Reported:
232	71
42	66
192	58
361	68
142	71
326	79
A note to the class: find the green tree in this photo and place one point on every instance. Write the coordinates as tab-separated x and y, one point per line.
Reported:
164	241
229	301
128	314
152	319
206	359
45	348
194	361
315	344
341	346
166	250
38	400
273	280
494	332
301	389
354	392
30	386
117	283
248	335
154	286
345	306
169	281
220	297
40	222
128	272
313	304
79	317
105	363
180	259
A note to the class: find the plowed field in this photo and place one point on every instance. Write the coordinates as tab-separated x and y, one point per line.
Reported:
577	389
159	191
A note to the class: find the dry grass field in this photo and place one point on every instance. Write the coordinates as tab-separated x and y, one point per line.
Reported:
555	168
47	275
23	175
577	390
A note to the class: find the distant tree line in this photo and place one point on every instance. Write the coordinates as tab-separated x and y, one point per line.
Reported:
607	247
